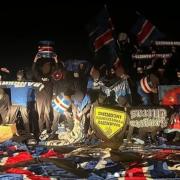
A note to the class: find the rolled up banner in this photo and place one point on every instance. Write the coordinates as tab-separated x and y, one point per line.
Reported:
151	56
167	43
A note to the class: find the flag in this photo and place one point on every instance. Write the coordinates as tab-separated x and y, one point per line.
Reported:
101	38
150	170
145	31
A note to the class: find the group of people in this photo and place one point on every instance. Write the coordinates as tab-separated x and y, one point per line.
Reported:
65	102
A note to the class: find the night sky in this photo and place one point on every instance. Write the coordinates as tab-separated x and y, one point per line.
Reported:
64	22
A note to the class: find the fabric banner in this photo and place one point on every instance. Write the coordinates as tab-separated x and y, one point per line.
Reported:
151	56
17	84
101	39
145	31
169	94
148	117
121	88
167	43
109	122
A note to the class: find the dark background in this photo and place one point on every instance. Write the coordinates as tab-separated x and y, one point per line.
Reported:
23	24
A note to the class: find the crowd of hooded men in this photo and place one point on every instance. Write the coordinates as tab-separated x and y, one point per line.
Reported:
68	95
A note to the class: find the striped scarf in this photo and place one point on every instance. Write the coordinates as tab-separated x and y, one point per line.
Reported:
61	104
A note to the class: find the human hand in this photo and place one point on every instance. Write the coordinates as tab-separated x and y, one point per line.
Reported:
55	57
36	58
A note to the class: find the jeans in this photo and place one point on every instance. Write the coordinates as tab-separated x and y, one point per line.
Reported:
144	96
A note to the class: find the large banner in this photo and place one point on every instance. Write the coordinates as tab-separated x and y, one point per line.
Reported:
167	43
18	84
151	56
169	94
108	122
148	117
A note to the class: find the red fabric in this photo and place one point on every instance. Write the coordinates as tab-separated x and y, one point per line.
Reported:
45	48
20	157
103	39
1	152
175	122
162	154
28	173
135	174
145	86
51	153
145	31
171	97
12	148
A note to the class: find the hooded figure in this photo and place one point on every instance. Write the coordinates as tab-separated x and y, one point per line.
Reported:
42	69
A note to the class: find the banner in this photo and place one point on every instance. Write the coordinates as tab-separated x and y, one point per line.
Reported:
151	56
101	38
145	31
174	125
167	43
18	84
148	117
7	131
109	122
169	94
120	88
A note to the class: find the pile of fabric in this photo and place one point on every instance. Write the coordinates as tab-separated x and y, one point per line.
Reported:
19	161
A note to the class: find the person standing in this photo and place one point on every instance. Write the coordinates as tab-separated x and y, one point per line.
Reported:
42	73
19	102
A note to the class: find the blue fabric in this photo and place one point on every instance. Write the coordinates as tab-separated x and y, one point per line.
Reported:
31	95
81	105
39	150
95	85
144	96
45	169
90	84
19	96
4	146
56	108
11	177
49	169
119	89
59	106
73	64
160	172
122	89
